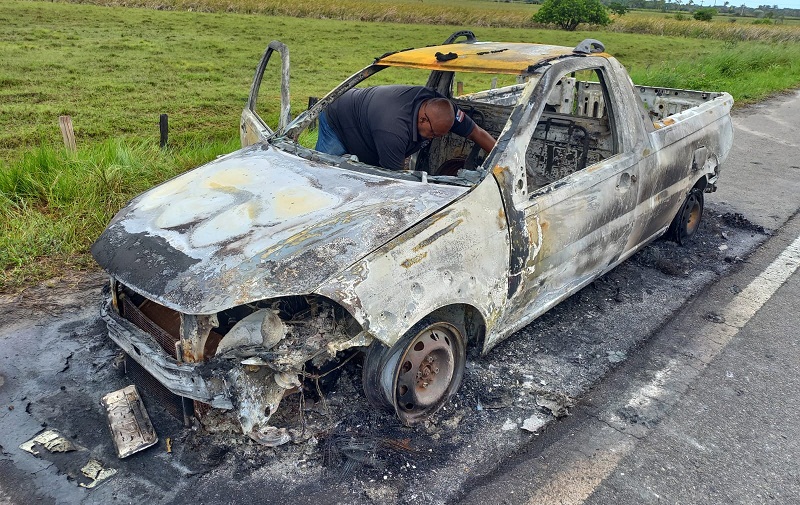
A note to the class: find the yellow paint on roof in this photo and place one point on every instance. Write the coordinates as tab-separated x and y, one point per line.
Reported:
485	57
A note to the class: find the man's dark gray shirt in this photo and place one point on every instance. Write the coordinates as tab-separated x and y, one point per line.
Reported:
379	124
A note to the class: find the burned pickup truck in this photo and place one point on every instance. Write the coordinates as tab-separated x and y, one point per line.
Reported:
233	282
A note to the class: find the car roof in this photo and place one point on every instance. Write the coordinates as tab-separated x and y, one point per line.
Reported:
483	57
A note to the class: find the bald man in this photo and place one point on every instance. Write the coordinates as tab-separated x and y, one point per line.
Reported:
383	125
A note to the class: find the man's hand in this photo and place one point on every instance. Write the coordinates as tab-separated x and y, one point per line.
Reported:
482	138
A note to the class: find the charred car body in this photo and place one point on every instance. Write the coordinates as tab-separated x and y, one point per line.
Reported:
231	281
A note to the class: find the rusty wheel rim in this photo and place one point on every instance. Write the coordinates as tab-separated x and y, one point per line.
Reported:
425	371
693	219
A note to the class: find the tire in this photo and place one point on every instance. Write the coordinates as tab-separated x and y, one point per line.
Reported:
687	220
418	374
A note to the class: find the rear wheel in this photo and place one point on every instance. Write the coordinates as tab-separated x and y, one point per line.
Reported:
417	375
687	221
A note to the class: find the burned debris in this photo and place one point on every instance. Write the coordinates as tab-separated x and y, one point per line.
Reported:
249	357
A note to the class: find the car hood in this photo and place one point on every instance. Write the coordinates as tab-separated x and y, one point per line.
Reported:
256	224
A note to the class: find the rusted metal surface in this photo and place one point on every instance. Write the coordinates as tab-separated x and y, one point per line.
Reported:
278	257
147	320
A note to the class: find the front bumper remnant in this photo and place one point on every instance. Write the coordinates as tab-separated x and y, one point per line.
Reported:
182	379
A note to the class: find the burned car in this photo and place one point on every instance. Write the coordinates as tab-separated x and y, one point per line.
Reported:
232	282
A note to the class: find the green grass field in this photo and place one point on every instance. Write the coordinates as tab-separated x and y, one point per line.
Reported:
114	70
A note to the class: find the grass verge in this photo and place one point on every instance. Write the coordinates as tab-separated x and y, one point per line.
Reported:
54	203
749	73
739	31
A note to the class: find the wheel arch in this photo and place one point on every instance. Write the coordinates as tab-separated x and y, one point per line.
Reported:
707	162
702	183
468	319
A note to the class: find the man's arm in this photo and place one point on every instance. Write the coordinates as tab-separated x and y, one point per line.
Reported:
482	138
391	150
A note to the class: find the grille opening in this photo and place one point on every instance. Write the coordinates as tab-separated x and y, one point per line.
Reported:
179	407
156	391
140	318
162	323
212	343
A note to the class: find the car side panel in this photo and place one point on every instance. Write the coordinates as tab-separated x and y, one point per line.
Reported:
459	255
687	147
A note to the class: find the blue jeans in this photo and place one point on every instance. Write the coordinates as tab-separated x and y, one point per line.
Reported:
327	140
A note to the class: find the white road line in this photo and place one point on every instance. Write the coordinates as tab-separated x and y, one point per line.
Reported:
574	484
769	136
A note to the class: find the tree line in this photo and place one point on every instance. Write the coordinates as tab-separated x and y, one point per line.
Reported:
568	14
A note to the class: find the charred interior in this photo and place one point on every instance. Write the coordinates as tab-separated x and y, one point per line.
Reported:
574	131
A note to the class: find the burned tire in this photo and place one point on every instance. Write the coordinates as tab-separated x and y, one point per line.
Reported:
687	220
417	375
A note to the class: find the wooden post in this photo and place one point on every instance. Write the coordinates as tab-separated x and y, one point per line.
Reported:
163	127
494	83
65	123
459	88
312	100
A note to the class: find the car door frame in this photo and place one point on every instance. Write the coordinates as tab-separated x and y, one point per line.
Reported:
525	211
253	128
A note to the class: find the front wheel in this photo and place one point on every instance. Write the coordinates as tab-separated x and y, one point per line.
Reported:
687	220
417	375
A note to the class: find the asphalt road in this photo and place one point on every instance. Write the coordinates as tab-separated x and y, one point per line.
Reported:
707	413
602	357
